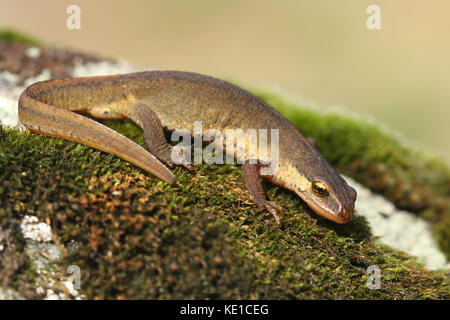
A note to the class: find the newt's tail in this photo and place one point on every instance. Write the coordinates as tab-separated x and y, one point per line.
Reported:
59	122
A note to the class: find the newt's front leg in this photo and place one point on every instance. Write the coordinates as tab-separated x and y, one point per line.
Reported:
255	188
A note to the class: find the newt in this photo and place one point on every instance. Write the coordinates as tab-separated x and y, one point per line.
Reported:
158	100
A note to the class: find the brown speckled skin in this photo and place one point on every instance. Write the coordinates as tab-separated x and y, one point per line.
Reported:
179	99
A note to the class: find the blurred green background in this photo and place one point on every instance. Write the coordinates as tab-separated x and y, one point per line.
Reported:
320	51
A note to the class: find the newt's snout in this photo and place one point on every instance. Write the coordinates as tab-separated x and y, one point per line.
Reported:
347	209
345	215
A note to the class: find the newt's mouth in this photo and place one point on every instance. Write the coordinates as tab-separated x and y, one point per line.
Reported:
343	216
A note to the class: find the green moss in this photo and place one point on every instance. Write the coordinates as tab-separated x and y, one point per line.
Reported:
14	36
16	269
137	237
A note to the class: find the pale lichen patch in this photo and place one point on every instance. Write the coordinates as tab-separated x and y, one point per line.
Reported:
399	229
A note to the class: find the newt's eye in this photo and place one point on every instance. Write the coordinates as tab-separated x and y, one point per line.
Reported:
319	189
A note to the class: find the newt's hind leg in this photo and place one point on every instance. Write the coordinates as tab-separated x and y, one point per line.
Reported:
59	122
255	188
154	137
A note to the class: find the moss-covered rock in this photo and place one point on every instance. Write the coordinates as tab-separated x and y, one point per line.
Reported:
12	36
137	237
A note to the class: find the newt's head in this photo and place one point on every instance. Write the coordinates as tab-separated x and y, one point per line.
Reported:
331	200
322	188
327	193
